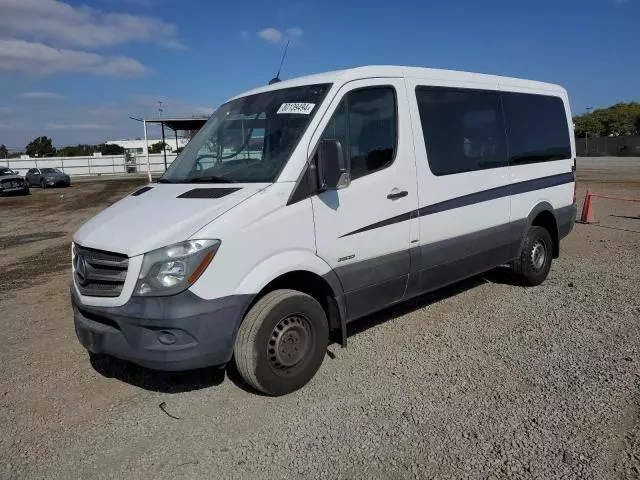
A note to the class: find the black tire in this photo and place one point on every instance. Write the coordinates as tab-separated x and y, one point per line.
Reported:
531	268
26	191
43	184
282	342
26	182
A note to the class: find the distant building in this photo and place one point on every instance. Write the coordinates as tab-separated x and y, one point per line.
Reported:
137	146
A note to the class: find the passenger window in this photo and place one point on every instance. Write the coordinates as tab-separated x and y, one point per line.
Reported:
537	128
365	123
463	129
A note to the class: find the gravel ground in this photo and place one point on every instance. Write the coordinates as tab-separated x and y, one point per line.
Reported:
482	380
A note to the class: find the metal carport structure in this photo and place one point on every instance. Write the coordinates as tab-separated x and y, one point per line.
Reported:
175	124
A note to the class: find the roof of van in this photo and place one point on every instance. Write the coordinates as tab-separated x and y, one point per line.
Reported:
433	74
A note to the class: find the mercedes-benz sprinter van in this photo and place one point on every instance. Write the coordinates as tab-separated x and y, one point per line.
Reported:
304	205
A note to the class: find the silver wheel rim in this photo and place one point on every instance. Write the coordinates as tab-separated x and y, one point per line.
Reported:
538	254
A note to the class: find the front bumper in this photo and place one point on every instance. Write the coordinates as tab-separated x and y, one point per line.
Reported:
58	182
13	190
180	332
19	187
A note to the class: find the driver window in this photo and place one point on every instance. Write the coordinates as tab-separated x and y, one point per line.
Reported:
365	124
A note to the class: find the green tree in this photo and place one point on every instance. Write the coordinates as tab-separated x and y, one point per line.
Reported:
619	119
4	152
76	151
157	147
111	149
41	147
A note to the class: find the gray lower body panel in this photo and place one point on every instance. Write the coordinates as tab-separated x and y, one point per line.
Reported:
376	283
566	218
448	261
180	332
424	268
372	284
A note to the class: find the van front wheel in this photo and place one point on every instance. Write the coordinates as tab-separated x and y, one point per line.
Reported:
282	342
534	263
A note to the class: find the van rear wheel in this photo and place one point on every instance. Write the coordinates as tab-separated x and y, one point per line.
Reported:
282	342
534	263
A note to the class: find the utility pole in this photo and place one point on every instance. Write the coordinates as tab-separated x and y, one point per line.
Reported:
164	145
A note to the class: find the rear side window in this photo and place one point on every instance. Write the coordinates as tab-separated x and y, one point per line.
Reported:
537	128
463	129
365	122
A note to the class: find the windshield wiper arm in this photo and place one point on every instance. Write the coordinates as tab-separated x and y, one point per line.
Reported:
163	180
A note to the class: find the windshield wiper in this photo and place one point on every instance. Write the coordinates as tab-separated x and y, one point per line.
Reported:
163	180
208	179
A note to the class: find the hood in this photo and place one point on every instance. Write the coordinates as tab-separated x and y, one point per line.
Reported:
10	177
160	215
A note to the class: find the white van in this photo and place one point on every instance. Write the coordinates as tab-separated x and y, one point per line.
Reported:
304	205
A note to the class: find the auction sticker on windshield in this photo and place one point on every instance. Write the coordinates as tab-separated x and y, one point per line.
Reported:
299	108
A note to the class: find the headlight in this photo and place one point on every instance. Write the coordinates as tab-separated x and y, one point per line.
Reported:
172	269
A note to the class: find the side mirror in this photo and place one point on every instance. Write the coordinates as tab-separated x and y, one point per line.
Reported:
333	170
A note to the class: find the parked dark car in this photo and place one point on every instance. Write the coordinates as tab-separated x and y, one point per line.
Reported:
47	177
12	182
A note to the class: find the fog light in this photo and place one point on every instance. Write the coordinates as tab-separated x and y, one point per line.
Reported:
166	338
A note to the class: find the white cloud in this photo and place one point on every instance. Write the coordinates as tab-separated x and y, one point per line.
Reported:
93	121
39	59
271	35
202	111
40	96
77	126
65	25
294	32
173	44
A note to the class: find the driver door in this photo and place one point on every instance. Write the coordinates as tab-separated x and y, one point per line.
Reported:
363	230
35	177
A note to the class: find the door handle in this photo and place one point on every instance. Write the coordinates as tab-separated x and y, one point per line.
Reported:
395	194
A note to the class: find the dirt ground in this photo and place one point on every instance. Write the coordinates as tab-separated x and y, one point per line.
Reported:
483	380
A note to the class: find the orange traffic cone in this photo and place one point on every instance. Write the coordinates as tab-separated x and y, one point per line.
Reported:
587	212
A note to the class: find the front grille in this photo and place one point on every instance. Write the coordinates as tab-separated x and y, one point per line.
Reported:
7	183
98	273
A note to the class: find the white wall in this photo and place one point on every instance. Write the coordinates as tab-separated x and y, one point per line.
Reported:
78	166
139	143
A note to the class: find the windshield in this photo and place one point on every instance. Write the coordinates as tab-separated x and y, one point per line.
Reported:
6	171
50	170
248	139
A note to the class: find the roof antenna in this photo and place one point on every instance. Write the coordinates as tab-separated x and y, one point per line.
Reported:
276	79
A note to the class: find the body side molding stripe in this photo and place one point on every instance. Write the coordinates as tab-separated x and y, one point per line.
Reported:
473	198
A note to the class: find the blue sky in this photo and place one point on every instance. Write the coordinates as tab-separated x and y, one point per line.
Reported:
76	70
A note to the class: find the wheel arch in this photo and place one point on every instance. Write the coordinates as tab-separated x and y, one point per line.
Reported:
543	215
307	273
